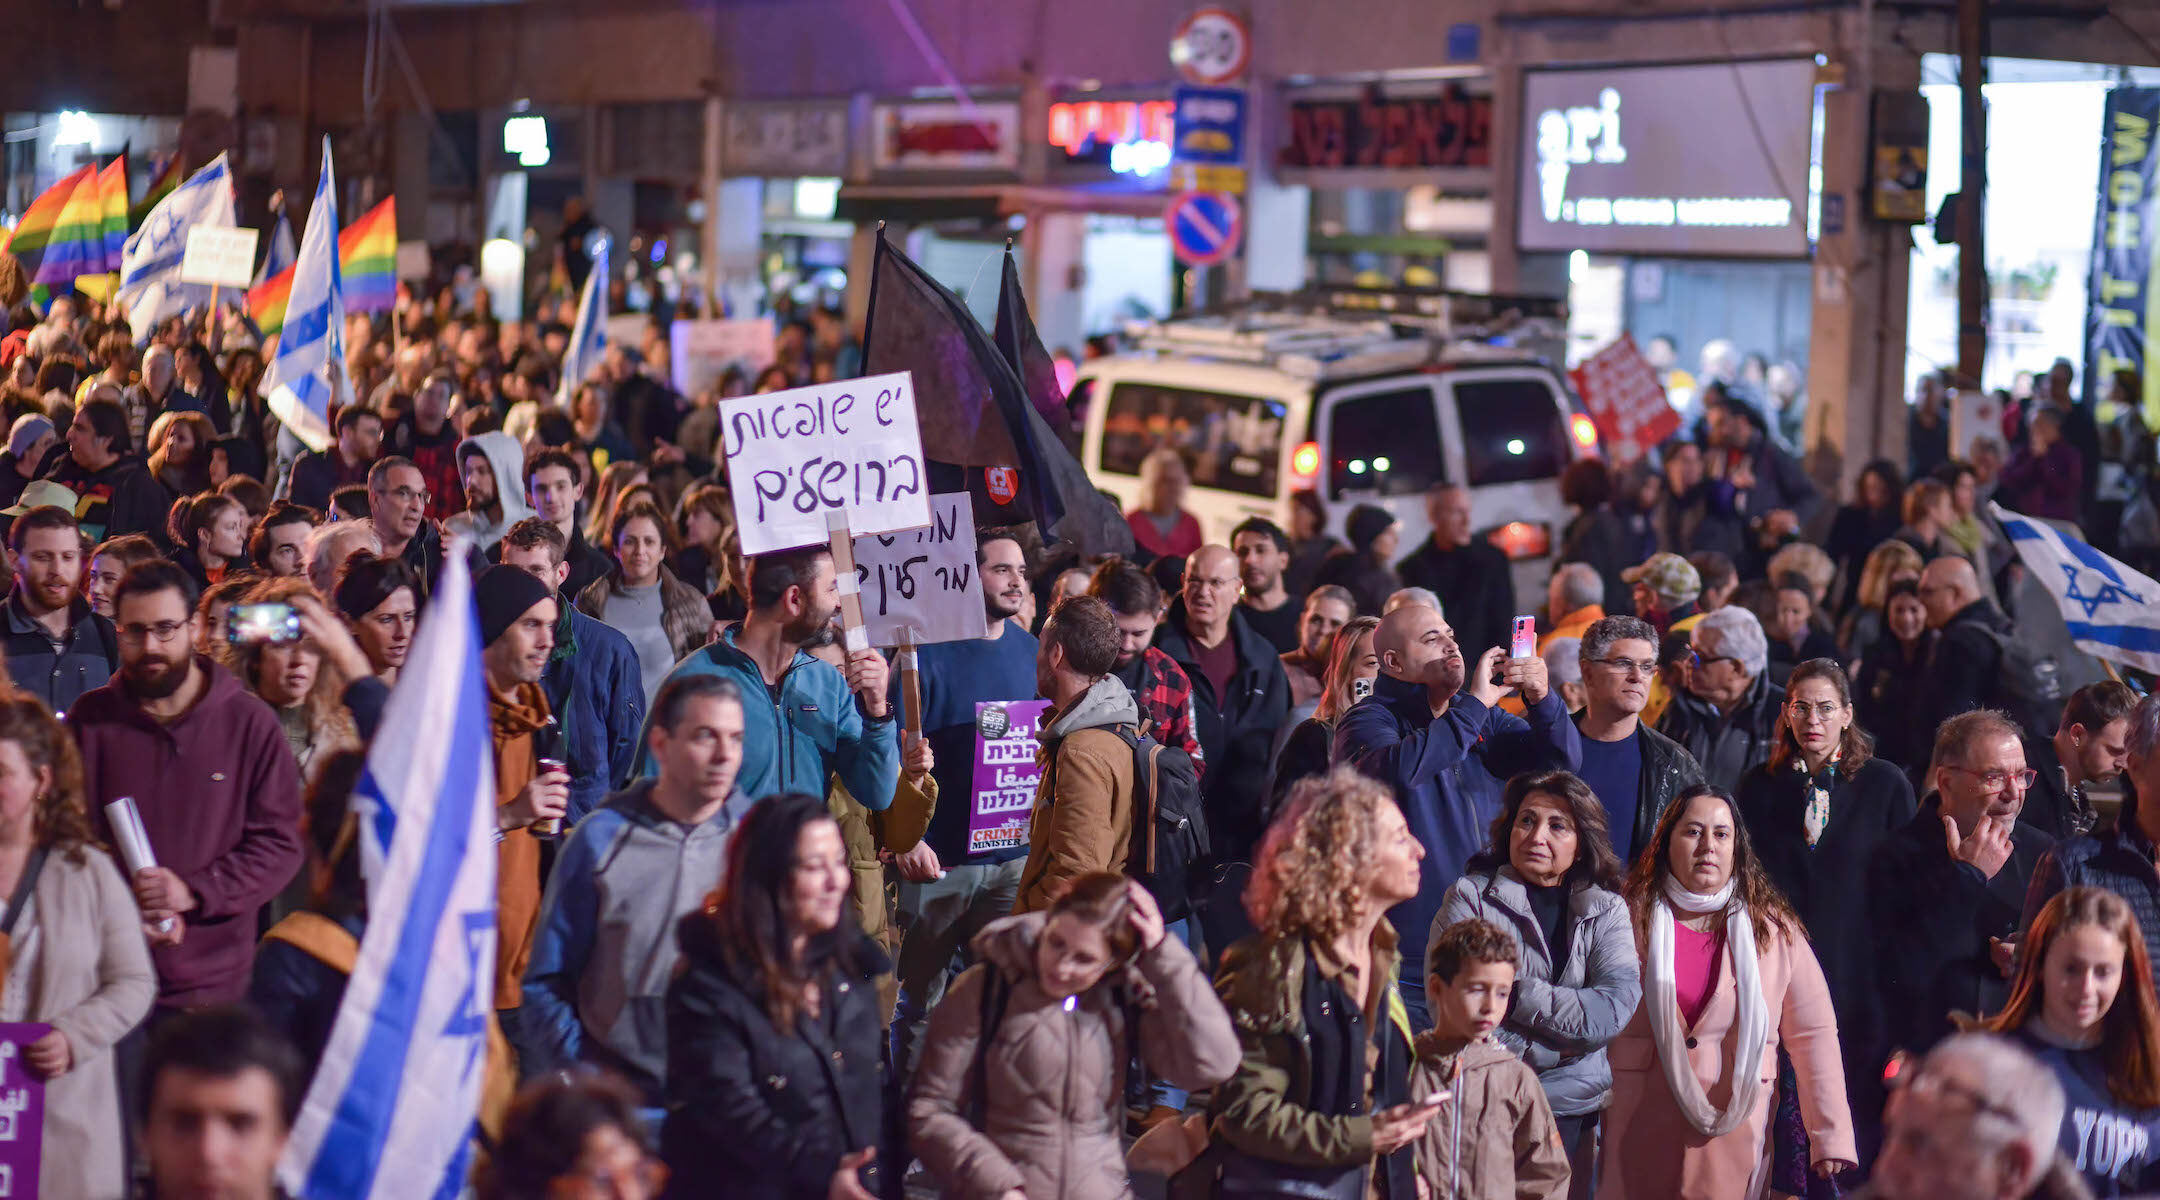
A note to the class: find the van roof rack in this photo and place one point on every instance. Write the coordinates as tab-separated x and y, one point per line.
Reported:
1320	333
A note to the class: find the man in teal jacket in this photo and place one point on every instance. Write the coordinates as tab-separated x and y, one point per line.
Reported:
803	720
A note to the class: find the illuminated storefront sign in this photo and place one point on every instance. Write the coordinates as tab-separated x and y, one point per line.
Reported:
1131	137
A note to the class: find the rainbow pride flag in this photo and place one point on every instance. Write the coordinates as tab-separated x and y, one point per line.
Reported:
61	236
168	178
367	261
113	210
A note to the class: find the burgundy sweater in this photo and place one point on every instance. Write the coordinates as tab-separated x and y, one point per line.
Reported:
220	797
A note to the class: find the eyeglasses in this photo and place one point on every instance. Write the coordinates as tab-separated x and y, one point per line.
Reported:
1801	709
161	633
1644	667
1995	781
649	1176
1698	662
406	495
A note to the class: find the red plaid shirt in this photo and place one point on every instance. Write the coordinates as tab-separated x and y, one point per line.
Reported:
1164	694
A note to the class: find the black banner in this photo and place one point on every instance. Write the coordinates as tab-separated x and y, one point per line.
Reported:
2119	324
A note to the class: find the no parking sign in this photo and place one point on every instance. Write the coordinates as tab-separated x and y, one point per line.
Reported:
1204	227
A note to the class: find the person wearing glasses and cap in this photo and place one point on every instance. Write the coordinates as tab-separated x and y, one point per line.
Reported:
1944	893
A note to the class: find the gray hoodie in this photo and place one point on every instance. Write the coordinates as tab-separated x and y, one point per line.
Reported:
605	948
507	459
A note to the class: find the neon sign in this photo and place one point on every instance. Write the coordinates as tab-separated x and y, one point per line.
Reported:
1135	133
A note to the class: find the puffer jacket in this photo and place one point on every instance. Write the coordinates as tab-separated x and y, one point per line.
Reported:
1494	1137
756	1112
1559	1020
683	611
1296	1119
1053	1071
1084	802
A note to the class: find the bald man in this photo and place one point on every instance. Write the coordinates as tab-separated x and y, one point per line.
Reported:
1432	732
1963	669
1239	696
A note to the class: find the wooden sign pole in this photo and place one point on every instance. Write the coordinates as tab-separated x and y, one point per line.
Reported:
854	636
910	693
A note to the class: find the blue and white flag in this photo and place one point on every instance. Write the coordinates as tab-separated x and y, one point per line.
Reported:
150	284
307	378
280	254
2112	611
392	1111
589	336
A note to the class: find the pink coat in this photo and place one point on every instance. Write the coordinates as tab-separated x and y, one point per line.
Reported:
1650	1152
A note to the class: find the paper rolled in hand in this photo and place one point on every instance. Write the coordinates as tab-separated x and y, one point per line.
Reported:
134	842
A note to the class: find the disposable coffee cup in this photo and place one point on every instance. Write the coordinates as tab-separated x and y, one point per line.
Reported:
551	827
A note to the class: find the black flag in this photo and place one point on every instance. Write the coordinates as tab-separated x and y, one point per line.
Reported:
977	421
1023	351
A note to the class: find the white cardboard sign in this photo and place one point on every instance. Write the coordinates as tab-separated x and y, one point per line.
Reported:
805	461
923	582
700	351
222	255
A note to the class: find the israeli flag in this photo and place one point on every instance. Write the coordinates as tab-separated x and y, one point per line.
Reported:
589	336
150	286
394	1104
2112	611
307	378
281	253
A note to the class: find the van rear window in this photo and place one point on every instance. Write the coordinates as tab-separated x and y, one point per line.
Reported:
1230	442
1512	430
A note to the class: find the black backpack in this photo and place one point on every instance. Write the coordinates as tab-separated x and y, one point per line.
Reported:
2028	684
1170	852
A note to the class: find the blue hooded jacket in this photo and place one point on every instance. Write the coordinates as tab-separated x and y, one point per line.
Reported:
595	690
797	742
1449	773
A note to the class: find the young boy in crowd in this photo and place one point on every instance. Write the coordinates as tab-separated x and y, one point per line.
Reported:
1493	1137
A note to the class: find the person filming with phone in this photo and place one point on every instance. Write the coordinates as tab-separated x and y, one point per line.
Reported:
1433	733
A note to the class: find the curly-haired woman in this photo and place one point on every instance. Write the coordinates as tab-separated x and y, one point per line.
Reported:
75	957
1727	978
1321	1100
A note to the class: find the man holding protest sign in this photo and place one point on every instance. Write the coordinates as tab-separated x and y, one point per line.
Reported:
978	704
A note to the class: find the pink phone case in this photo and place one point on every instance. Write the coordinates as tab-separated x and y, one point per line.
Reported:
1525	638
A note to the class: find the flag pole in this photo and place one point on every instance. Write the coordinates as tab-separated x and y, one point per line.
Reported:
869	321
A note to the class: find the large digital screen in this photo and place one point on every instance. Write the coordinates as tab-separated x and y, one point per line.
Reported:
1708	159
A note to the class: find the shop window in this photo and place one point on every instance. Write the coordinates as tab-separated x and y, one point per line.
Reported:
1511	430
1230	442
1385	444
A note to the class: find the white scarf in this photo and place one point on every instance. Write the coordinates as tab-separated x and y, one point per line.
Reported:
1664	1004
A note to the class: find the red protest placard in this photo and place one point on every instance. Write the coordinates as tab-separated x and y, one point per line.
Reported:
1620	389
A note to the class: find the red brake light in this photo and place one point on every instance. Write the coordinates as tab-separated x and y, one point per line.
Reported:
1522	539
1305	461
1584	431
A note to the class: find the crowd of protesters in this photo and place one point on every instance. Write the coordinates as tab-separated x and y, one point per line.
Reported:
1764	874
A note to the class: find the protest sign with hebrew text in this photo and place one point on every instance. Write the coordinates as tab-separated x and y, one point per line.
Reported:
22	1111
849	447
923	582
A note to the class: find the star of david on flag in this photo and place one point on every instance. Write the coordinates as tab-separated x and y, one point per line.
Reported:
2112	611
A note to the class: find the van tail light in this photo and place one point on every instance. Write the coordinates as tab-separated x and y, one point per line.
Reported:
1522	539
1305	462
1584	431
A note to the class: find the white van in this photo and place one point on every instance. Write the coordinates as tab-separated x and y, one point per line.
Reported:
1363	409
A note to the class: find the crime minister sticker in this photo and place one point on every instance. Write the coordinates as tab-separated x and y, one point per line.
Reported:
1006	773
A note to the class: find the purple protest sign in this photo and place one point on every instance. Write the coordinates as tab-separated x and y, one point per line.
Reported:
1005	774
22	1111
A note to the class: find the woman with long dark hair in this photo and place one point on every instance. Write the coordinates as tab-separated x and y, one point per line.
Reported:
1728	978
1872	519
1815	812
2083	1004
1549	877
1891	685
776	1079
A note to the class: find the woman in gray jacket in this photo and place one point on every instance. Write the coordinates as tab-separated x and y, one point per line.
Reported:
1550	878
1020	1087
